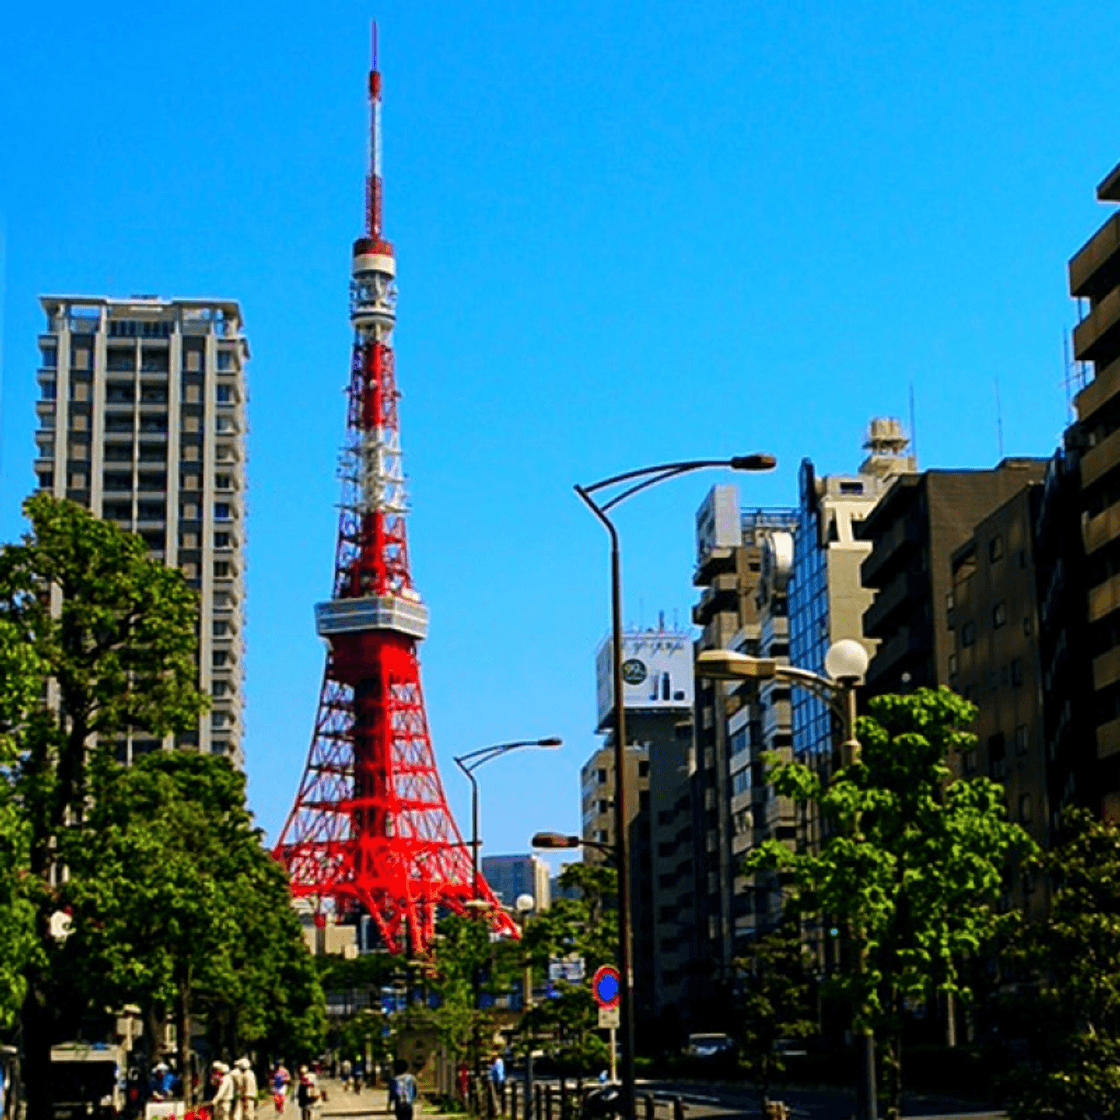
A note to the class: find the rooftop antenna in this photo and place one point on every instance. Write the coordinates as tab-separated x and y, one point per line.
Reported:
999	420
913	427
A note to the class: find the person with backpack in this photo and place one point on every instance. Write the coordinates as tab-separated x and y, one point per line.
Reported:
307	1094
404	1091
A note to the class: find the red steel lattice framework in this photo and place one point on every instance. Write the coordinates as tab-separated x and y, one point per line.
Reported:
370	829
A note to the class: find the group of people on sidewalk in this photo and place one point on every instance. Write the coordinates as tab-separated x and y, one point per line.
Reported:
235	1096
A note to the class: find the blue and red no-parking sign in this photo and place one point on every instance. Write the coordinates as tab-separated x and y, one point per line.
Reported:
606	986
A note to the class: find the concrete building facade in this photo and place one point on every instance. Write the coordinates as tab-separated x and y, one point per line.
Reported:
993	612
729	546
141	419
914	530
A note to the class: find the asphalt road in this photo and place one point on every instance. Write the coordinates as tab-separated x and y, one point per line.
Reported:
730	1100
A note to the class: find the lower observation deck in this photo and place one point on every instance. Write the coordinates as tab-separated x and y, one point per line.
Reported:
375	612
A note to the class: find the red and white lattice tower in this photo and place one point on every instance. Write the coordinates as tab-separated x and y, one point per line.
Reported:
370	829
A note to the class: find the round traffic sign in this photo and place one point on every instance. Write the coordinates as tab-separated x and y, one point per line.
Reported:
606	986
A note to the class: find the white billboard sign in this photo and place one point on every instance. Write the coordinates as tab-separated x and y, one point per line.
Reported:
656	673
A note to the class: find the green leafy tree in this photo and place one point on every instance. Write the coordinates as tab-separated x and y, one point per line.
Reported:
912	865
587	927
177	906
774	981
20	684
1070	965
110	634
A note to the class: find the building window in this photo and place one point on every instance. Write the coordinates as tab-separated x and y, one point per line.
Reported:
46	480
601	776
1028	625
997	757
1017	673
643	768
221	569
221	658
221	540
49	390
221	511
999	614
225	359
952	664
224	394
995	548
223	482
50	357
968	633
1021	739
1025	808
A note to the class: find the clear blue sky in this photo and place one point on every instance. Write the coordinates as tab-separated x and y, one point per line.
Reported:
626	233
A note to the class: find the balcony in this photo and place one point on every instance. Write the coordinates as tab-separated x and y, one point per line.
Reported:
722	594
1104	598
895	545
1106	668
1101	529
1104	386
1096	267
904	643
1097	337
896	594
1100	459
1108	738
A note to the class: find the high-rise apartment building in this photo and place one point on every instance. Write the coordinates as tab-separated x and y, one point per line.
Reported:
1094	279
142	421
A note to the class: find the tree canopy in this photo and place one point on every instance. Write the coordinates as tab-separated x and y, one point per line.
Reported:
912	860
1068	973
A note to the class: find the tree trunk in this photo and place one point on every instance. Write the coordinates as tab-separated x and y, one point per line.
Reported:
36	1023
764	1086
183	1038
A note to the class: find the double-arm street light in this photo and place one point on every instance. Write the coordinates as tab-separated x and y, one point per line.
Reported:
469	763
845	663
623	486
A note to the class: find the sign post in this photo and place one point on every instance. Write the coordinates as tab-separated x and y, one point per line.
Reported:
606	988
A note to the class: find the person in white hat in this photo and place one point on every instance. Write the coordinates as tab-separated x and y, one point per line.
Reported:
247	1083
223	1098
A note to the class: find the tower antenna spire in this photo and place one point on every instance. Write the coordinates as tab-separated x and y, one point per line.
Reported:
373	179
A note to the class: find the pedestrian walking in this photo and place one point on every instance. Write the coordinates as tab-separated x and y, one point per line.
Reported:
248	1086
345	1068
280	1079
237	1080
223	1094
391	1098
464	1082
497	1081
307	1093
406	1091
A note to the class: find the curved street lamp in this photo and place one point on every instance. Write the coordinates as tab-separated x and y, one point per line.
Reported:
469	763
626	486
846	665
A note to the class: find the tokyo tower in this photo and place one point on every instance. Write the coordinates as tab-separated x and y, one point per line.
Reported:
370	829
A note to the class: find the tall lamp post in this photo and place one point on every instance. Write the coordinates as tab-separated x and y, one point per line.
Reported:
846	664
469	763
624	486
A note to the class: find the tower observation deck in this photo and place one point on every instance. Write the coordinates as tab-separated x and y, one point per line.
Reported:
370	830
